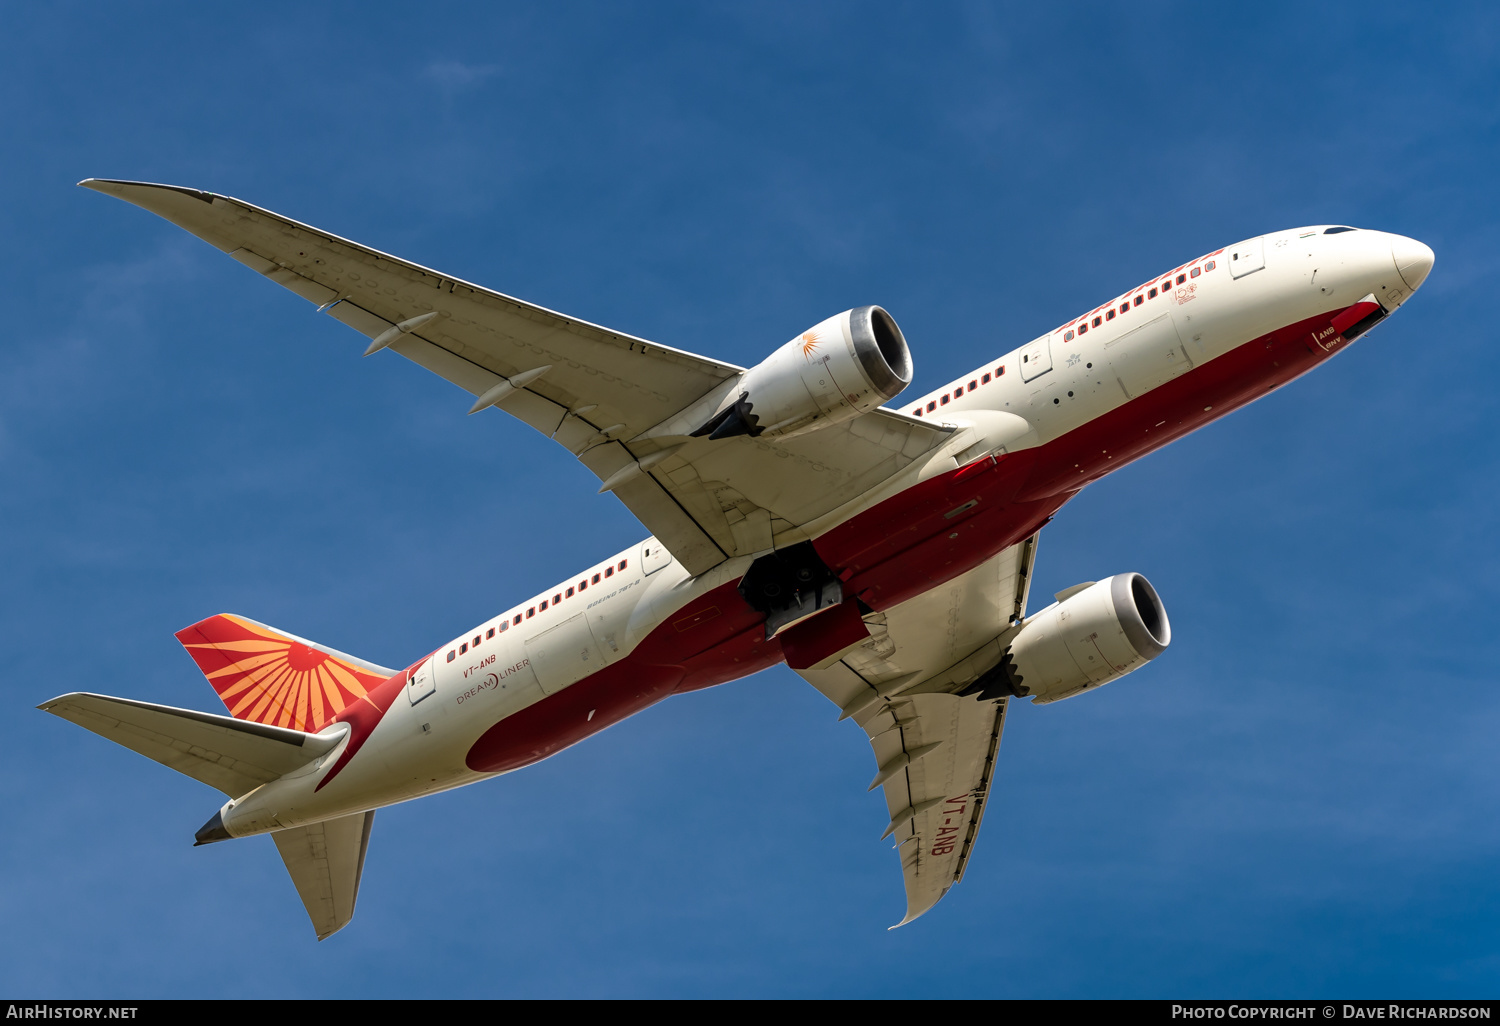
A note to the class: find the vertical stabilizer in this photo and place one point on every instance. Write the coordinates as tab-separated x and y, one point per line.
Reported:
266	676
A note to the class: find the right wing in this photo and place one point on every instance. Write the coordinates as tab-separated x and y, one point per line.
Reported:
325	861
934	748
620	404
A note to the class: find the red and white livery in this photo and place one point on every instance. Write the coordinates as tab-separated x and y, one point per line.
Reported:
882	551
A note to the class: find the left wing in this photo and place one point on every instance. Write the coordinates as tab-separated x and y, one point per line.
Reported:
934	748
625	407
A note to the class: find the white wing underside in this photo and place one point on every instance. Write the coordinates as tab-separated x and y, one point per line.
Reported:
609	398
235	756
325	861
898	687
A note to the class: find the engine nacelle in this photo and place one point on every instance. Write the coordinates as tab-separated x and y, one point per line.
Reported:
1091	637
847	365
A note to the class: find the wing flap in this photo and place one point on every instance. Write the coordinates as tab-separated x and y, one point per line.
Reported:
234	756
325	861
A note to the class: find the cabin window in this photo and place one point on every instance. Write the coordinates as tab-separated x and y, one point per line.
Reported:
1082	328
583	584
504	626
1068	337
999	371
556	599
609	571
932	406
985	380
1151	294
477	640
450	655
542	605
1139	300
1124	307
594	579
1166	286
1097	320
1195	273
531	612
490	633
917	412
1181	278
463	648
624	563
1209	266
973	385
1111	315
570	593
944	400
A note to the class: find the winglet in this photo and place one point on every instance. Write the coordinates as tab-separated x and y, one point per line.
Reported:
120	186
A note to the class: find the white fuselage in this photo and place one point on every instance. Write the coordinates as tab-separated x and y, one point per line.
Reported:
1056	394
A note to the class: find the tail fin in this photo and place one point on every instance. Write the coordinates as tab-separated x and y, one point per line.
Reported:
265	676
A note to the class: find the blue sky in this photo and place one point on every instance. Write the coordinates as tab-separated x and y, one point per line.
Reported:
1298	799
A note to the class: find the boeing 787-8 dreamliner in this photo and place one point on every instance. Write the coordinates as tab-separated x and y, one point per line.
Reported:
883	552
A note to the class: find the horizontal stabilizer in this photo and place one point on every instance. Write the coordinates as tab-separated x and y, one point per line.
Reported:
325	861
232	755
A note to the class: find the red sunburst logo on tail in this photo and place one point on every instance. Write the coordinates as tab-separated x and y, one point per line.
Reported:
266	677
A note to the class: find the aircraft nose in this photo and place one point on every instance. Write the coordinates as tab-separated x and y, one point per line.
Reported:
1413	260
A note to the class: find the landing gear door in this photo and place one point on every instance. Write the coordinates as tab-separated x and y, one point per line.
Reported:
1036	358
421	683
654	556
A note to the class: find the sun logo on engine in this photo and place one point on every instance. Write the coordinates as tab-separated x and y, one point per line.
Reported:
809	343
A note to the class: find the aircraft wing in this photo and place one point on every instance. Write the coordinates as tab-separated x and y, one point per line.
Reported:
934	749
622	405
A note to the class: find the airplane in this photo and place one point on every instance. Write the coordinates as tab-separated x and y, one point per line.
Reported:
883	552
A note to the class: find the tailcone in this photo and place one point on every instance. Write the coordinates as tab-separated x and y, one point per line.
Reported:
212	831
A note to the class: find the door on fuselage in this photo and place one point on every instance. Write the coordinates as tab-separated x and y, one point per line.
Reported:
421	683
1036	358
654	556
1247	257
564	654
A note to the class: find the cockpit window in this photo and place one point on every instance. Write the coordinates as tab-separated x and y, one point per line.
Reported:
1336	230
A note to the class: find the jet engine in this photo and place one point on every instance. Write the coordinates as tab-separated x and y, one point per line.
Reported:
1094	633
847	365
